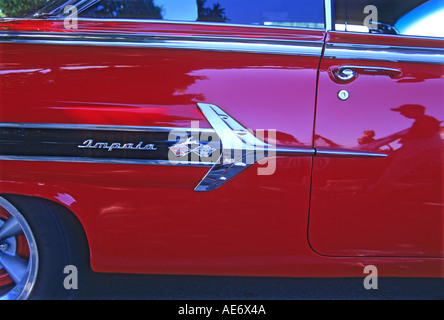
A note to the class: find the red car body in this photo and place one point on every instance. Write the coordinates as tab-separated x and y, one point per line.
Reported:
328	214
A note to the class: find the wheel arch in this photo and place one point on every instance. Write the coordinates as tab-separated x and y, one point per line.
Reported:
74	221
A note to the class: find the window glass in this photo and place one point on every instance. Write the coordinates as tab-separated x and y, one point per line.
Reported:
403	17
288	13
21	8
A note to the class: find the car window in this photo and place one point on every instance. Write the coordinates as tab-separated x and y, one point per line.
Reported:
287	13
22	8
399	17
425	20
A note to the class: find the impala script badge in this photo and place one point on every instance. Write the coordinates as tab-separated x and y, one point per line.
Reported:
115	145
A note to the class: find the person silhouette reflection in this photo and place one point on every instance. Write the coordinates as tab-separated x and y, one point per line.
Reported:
424	126
368	137
419	160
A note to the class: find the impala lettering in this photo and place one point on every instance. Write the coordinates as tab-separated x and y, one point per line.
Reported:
115	145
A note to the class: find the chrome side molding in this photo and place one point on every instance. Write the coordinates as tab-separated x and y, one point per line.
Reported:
227	149
206	43
392	53
347	153
241	149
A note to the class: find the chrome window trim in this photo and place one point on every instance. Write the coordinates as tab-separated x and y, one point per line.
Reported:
328	7
384	53
125	37
220	44
405	36
82	5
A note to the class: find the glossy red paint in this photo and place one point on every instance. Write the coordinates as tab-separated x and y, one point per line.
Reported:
380	207
156	87
148	219
170	238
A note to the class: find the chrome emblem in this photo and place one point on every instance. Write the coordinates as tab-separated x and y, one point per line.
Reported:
116	145
183	148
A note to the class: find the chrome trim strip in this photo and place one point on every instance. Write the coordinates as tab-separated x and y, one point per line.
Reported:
232	160
284	152
124	37
222	172
229	130
106	161
384	53
320	152
94	127
222	44
328	15
294	151
392	36
239	150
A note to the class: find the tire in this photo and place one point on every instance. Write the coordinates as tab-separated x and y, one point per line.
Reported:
47	239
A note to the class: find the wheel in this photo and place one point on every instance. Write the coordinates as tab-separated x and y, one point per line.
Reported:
38	239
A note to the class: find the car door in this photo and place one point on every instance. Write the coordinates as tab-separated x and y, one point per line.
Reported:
378	174
117	110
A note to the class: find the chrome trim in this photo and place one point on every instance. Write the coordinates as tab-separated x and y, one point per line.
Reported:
384	53
279	151
391	72
222	44
345	73
95	127
321	152
82	5
106	161
392	36
328	15
238	151
229	130
235	148
240	148
294	151
221	173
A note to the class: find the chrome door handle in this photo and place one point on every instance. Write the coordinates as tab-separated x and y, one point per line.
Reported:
345	73
350	73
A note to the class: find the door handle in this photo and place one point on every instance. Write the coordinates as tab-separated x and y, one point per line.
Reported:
349	73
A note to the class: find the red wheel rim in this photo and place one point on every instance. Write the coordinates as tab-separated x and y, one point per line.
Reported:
22	251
